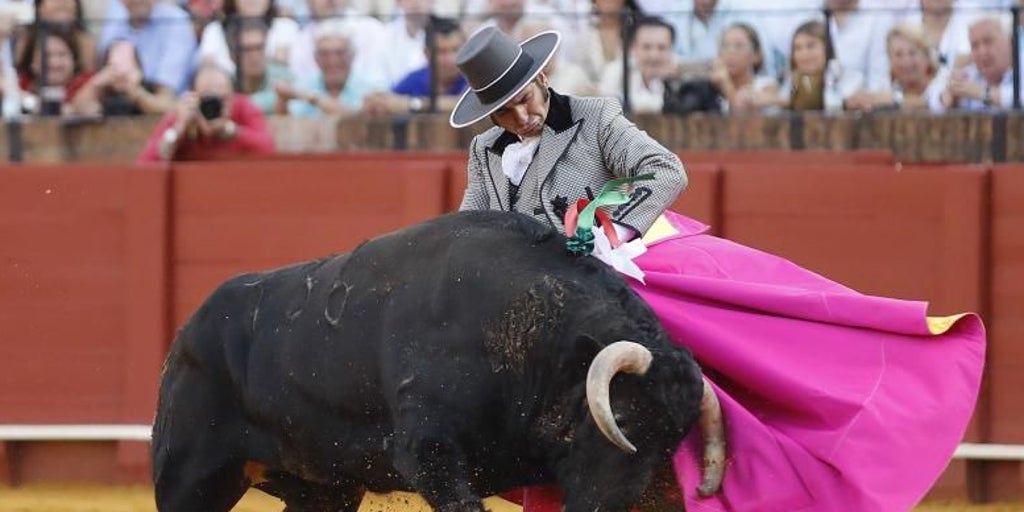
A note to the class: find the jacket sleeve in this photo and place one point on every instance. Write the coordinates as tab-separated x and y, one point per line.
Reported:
254	134
475	197
628	151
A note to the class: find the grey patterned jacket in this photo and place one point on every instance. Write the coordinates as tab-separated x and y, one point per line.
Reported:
585	143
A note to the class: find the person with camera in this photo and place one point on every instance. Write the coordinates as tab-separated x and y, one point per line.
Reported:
209	122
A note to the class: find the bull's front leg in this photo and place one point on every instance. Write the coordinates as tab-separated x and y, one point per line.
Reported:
429	457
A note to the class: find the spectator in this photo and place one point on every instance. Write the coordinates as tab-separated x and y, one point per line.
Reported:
563	74
699	25
50	90
203	12
914	73
513	16
945	29
258	73
209	122
406	37
859	38
815	82
368	40
987	82
650	48
64	15
338	87
738	71
119	89
775	21
412	93
600	41
216	35
161	33
11	102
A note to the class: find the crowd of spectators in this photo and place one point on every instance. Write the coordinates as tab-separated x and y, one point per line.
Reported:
334	57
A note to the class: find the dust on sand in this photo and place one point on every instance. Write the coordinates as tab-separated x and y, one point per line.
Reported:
64	498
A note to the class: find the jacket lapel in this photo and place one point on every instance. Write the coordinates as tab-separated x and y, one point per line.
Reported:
499	182
553	144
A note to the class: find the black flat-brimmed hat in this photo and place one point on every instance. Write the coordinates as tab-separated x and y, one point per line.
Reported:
497	69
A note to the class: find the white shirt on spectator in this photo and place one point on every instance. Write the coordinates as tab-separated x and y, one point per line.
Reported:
405	52
860	45
955	40
642	97
1004	93
897	8
695	39
979	7
213	45
934	88
11	106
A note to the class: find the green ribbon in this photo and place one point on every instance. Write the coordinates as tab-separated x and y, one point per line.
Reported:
582	242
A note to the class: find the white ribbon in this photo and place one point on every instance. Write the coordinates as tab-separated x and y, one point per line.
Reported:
620	258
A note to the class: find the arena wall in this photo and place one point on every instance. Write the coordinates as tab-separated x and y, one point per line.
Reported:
102	263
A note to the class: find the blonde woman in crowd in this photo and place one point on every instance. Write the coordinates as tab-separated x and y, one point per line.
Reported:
914	74
738	72
816	81
945	29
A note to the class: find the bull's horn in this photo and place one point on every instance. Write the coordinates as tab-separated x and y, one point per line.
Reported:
714	442
621	356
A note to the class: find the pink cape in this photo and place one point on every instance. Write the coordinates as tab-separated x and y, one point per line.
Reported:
833	400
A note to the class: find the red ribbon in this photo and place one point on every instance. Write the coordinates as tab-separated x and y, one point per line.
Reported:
572	217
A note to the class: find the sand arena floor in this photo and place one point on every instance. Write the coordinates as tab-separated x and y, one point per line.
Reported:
42	498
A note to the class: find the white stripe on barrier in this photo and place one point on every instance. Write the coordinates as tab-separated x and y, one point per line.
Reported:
985	451
982	451
75	432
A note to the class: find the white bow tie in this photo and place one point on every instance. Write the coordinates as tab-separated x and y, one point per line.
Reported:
517	157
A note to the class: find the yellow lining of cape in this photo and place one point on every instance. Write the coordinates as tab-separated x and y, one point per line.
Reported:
660	230
941	324
411	502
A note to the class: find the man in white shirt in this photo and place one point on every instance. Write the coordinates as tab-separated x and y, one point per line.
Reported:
858	36
367	34
987	82
652	61
406	38
699	25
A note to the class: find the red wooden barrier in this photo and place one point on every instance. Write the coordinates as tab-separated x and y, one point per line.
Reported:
1005	480
912	234
95	258
819	159
82	300
244	216
703	195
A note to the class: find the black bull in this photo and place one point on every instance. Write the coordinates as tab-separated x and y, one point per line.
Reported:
450	359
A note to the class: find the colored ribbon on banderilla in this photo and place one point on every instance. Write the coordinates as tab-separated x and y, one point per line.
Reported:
579	219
